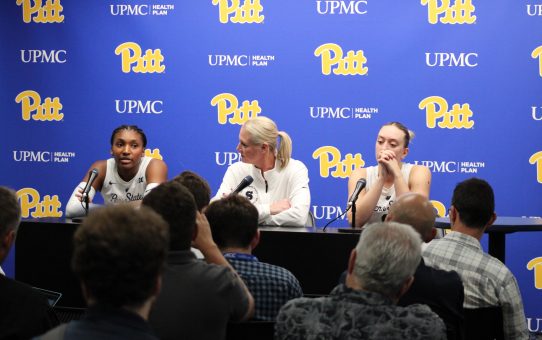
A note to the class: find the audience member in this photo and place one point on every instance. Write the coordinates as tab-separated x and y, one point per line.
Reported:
119	256
234	225
198	299
380	271
441	290
23	311
487	281
198	186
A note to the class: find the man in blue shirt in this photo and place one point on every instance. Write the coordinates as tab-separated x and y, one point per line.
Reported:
234	224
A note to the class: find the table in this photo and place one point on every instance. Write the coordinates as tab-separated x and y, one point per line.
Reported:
497	232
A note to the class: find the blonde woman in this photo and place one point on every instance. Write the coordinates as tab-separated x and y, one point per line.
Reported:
280	190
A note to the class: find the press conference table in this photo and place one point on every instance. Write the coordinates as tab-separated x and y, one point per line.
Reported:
498	231
317	258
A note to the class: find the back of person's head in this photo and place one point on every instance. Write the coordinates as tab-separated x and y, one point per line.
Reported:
197	185
475	202
387	256
263	130
10	216
415	210
233	220
119	254
176	204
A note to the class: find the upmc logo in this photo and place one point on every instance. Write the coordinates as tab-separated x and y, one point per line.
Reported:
341	7
48	13
140	10
42	156
138	106
227	158
443	59
537	158
436	109
449	11
332	57
240	60
131	54
33	205
31	102
331	159
228	105
123	9
537	53
328	112
327	212
43	56
247	12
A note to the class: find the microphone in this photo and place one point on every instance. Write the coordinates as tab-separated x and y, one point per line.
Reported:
244	183
91	178
359	186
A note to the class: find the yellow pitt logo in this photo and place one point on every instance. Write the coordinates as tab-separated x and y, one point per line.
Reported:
31	102
536	265
32	205
48	13
154	153
332	55
537	53
228	105
537	158
461	12
330	158
439	207
436	108
246	13
131	54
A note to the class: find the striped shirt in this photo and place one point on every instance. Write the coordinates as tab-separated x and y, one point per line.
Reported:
487	281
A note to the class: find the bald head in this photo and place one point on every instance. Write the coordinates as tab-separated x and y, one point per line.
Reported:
415	210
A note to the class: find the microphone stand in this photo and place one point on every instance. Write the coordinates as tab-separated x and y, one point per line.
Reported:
85	198
353	214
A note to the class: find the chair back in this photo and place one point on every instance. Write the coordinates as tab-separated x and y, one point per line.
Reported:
483	323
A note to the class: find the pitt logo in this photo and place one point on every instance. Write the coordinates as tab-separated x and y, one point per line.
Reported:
330	158
439	207
536	265
459	13
131	54
537	53
437	108
31	102
48	13
537	158
332	54
32	205
228	105
155	153
247	13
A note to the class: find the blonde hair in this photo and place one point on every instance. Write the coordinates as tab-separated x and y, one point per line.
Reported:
264	130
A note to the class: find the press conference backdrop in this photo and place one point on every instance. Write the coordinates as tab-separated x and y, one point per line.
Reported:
465	75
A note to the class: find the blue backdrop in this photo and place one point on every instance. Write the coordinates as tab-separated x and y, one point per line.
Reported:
465	76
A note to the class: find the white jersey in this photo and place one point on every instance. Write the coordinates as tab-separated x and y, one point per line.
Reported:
116	190
291	182
387	197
